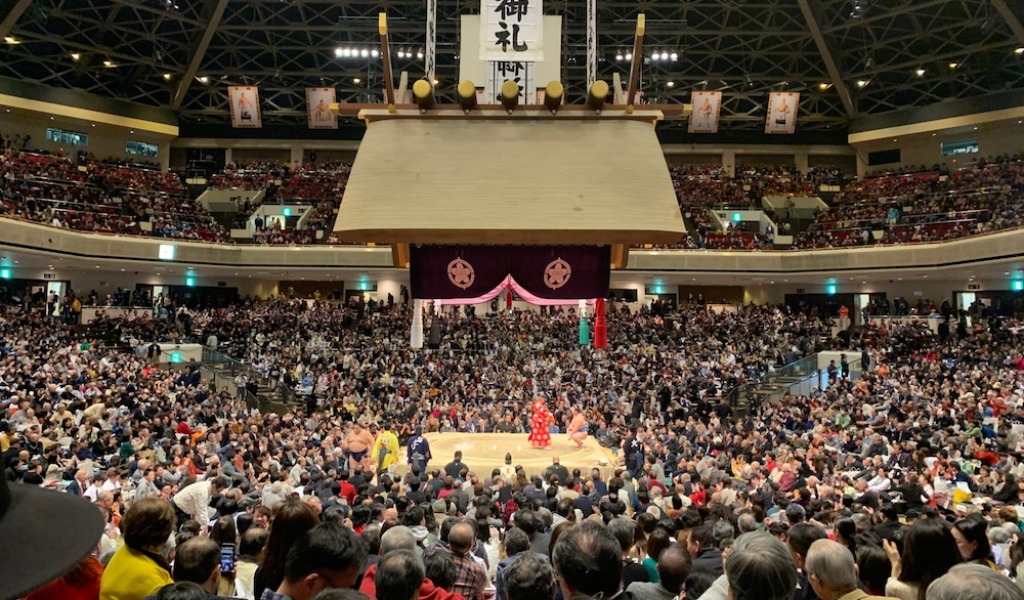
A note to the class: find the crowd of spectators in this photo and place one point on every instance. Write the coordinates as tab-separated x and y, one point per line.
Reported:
251	176
912	206
102	198
905	481
923	206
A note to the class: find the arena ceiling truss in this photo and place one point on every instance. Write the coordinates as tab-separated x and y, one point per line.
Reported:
846	57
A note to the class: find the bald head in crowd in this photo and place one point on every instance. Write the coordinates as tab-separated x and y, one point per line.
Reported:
460	538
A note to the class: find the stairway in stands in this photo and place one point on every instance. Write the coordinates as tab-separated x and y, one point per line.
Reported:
772	387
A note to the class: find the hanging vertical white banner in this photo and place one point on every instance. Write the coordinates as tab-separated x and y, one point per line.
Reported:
512	30
782	112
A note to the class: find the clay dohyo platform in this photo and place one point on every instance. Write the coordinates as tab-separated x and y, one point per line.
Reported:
483	452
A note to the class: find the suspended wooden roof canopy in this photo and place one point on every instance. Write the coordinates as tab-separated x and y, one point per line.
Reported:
551	174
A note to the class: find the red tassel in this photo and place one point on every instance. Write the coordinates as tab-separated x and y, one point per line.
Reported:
600	327
508	298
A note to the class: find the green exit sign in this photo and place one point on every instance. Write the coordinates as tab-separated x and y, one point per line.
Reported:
175	357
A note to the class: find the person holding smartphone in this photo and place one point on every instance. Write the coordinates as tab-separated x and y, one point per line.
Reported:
202	561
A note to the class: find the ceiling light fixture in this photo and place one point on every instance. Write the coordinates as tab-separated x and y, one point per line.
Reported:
356	80
953	65
862	82
12	40
1019	51
108	63
75	56
920	72
670	84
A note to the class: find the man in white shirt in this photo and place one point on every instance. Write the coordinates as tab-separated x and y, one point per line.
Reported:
193	502
112	483
880	482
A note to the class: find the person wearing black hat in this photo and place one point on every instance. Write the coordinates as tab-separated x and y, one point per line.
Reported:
43	534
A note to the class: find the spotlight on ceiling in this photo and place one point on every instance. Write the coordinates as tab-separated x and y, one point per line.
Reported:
862	82
920	72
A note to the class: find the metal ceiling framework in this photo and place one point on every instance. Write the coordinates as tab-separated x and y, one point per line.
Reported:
846	57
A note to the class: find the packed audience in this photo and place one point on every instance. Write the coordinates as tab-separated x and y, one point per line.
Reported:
905	482
915	205
103	198
923	206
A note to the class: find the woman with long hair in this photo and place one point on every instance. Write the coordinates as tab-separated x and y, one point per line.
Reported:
929	551
971	535
292	519
656	544
223	532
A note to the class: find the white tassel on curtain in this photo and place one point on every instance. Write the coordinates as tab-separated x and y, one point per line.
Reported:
416	335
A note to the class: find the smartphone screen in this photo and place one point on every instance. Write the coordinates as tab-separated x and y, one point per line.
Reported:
227	558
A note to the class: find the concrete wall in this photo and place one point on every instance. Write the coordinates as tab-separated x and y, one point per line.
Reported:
993	139
104	140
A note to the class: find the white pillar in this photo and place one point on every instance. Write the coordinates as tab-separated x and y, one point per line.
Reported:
802	162
729	162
